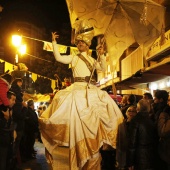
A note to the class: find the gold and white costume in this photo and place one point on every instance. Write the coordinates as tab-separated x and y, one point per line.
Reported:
80	117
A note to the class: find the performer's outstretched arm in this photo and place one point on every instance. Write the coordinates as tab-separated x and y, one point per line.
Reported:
65	59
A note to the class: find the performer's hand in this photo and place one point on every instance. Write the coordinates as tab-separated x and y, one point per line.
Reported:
54	36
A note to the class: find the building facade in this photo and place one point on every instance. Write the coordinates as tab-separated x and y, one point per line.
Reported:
137	74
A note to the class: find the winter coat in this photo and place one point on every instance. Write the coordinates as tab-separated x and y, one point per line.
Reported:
6	131
19	115
141	147
158	109
18	92
19	112
164	134
122	144
31	121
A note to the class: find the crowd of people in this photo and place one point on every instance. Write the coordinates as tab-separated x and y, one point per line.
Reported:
18	124
99	134
144	144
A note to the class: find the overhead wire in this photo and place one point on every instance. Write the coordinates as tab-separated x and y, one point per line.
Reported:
39	58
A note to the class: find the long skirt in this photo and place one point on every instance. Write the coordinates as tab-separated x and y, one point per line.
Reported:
82	118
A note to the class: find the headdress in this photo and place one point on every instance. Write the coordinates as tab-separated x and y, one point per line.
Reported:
83	32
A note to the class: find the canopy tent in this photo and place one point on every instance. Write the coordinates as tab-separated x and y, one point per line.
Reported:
37	97
122	22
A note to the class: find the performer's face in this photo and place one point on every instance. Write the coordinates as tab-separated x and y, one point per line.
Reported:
82	46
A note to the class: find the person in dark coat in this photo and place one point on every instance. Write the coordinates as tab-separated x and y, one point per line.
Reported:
149	97
159	105
123	138
17	87
164	134
31	129
40	110
19	115
6	133
142	135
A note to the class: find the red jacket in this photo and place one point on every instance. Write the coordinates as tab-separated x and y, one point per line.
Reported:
4	87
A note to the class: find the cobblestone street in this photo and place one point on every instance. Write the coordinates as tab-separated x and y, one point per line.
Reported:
40	162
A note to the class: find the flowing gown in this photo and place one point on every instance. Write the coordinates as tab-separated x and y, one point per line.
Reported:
82	118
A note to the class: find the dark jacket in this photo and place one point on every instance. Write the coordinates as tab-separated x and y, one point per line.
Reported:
122	144
6	130
19	112
158	109
142	147
31	121
18	92
19	115
164	134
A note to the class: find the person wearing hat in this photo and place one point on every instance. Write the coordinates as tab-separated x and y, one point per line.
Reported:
5	84
30	131
81	64
81	116
7	137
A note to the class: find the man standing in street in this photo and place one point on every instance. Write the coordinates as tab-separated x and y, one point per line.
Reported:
6	132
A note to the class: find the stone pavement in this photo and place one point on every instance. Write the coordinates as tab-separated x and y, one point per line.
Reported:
60	159
40	162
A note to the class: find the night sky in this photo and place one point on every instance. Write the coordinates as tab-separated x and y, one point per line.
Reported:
52	15
44	13
49	14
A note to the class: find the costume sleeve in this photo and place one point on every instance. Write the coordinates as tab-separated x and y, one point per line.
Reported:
65	59
101	65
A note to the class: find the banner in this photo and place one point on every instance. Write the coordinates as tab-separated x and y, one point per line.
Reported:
48	47
75	51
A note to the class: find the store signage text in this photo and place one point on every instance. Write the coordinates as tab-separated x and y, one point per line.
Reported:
158	48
